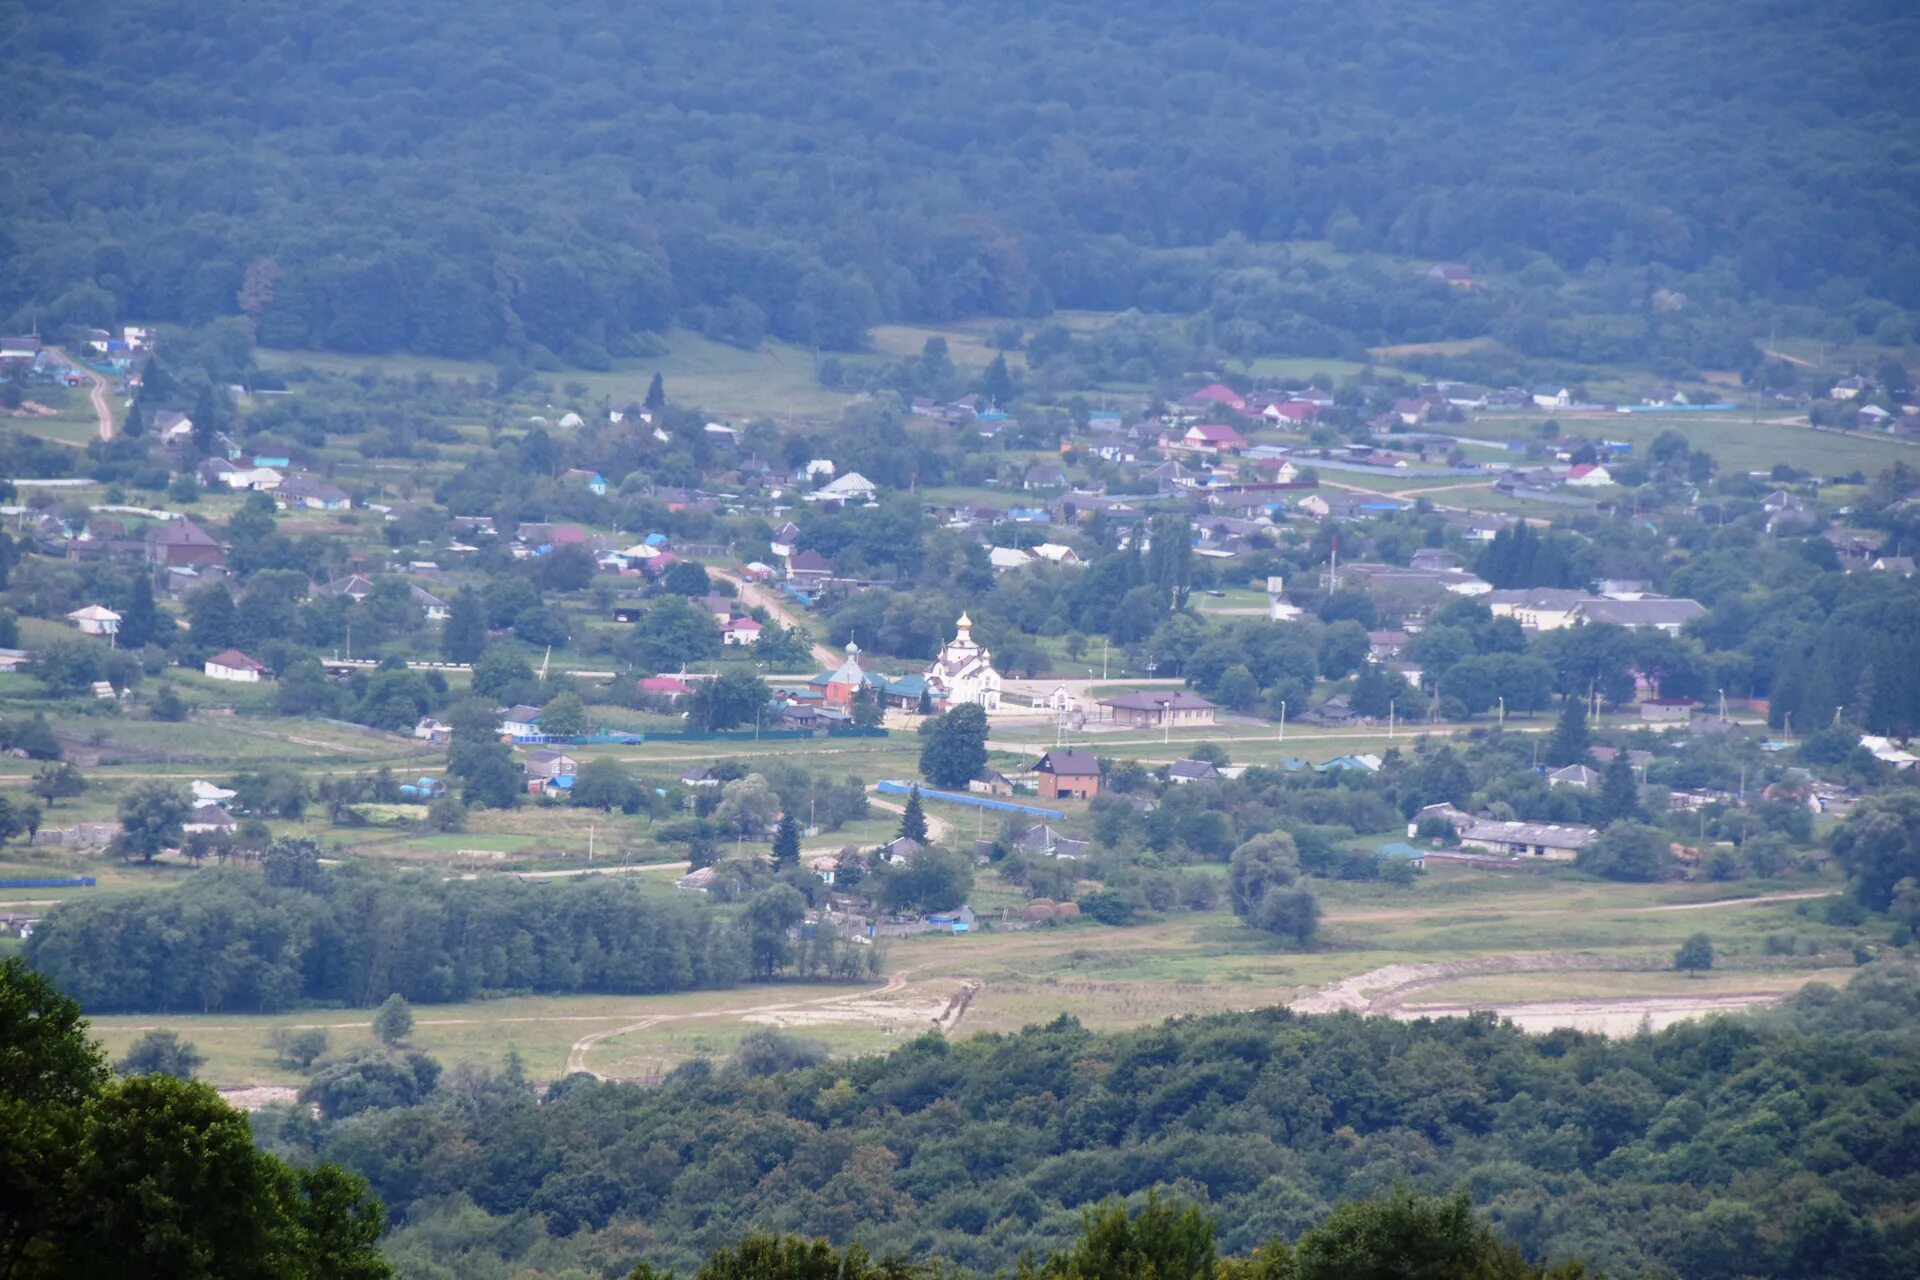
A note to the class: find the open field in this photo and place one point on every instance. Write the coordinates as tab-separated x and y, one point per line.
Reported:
1469	939
1737	441
774	378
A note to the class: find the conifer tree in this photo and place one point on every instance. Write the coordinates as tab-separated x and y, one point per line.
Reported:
913	820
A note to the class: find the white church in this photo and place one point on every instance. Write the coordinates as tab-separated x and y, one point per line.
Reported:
963	673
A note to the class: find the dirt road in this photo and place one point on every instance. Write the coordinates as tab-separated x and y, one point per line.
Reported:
756	595
936	825
96	392
577	1055
1372	916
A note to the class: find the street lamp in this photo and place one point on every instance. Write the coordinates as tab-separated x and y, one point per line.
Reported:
1166	730
1503	711
1390	703
1283	721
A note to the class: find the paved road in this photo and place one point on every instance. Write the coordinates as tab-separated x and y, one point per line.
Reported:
97	393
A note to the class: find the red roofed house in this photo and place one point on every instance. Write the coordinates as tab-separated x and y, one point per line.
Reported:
665	687
1291	411
231	664
740	631
1589	475
1216	437
1216	393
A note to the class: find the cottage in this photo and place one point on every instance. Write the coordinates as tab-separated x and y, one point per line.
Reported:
1068	773
520	721
1044	475
552	764
209	819
808	568
1552	397
1213	437
309	494
665	687
431	730
1041	838
182	542
699	776
1173	708
1666	710
1575	775
1401	852
1588	475
1182	772
740	631
851	487
990	783
95	620
231	664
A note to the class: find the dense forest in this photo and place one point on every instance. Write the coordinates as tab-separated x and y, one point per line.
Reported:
1782	1144
474	178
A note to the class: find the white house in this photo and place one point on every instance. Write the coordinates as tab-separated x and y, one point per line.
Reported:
432	730
740	631
1589	475
851	487
1551	397
1057	552
1002	558
95	620
231	664
520	721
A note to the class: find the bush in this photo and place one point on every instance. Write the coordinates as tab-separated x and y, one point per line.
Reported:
393	1020
161	1053
297	1047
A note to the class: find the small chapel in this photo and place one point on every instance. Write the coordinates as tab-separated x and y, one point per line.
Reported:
963	673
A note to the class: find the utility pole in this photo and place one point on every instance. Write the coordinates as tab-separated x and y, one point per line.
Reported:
1283	721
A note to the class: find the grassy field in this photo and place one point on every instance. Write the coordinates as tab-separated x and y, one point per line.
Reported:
773	379
1739	443
1612	941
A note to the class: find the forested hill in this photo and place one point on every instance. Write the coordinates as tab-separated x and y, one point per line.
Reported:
453	176
1785	1145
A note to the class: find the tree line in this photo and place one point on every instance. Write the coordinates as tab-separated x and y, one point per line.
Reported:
236	941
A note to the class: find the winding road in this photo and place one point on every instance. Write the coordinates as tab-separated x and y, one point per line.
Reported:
96	393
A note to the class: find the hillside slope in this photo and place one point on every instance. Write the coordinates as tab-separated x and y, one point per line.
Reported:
454	176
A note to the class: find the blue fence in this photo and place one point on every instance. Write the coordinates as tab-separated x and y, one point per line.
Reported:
968	798
69	882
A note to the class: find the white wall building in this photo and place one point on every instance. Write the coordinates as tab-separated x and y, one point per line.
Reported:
963	673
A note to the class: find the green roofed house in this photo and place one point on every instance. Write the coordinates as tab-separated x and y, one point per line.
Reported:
1401	851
